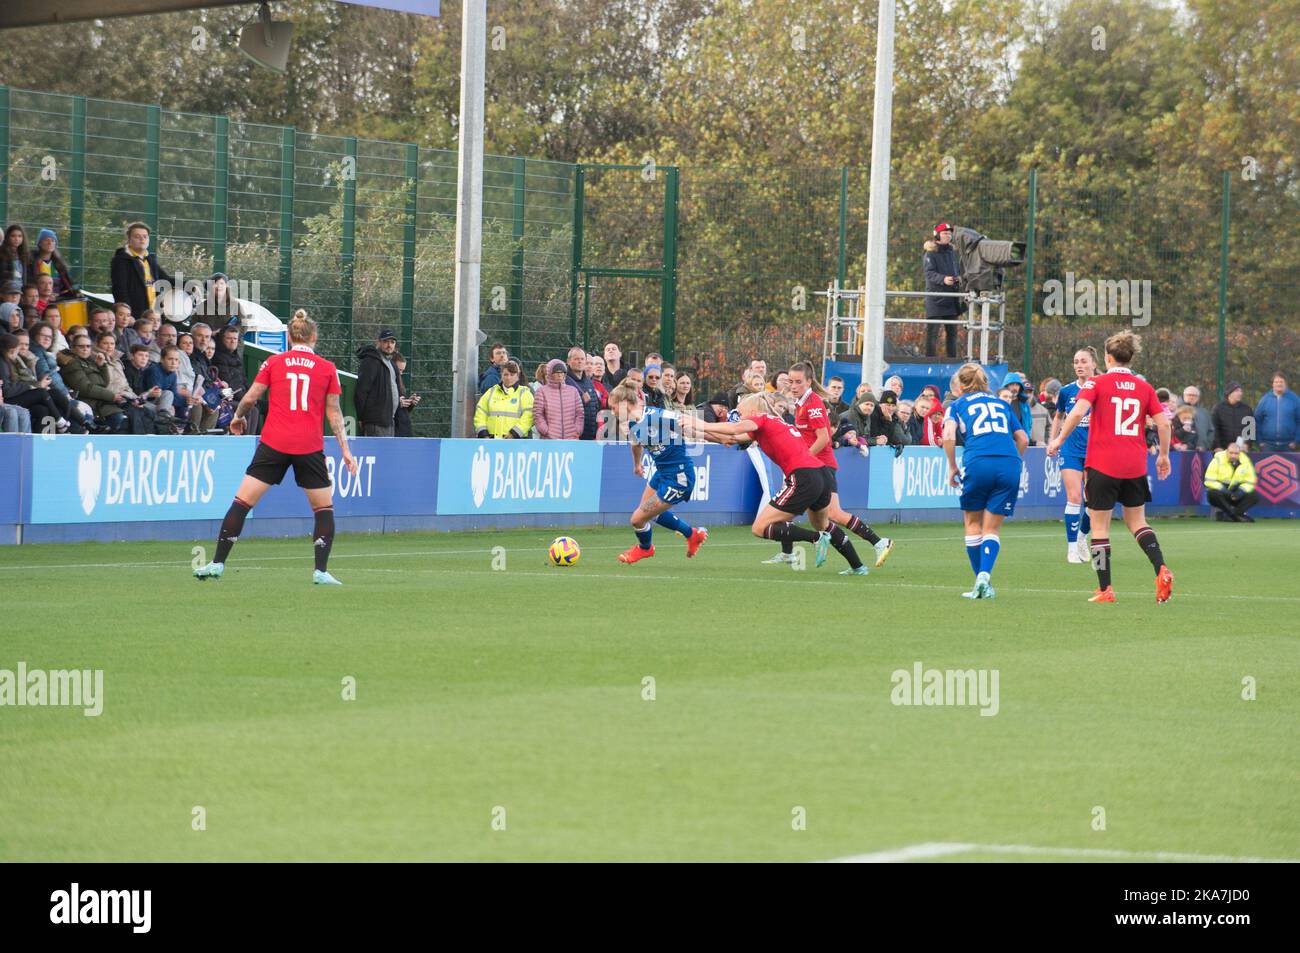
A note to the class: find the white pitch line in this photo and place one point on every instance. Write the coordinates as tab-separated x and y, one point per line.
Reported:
925	851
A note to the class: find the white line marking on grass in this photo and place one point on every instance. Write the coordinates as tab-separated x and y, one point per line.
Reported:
925	851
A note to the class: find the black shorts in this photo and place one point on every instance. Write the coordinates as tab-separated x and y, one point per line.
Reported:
270	465
804	489
1101	491
832	484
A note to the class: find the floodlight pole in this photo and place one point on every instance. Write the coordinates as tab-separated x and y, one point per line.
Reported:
469	217
873	349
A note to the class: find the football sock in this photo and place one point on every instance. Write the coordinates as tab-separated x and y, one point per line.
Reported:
989	552
859	528
1085	523
323	536
669	520
1072	521
973	552
1101	562
231	527
845	548
787	547
784	531
1146	538
643	535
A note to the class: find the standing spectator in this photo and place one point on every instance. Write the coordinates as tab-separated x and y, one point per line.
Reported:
1185	436
21	387
579	379
135	270
836	405
1230	485
905	416
927	420
14	256
684	387
539	379
895	383
942	273
218	307
46	260
1230	416
596	371
1020	401
614	370
1277	417
557	409
668	388
715	409
855	425
1204	424
405	402
491	376
505	411
378	395
654	397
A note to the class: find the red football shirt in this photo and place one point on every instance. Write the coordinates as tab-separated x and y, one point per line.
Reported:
811	418
298	381
783	444
1121	403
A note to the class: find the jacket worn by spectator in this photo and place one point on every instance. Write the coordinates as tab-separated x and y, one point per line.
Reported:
1203	425
1277	418
377	393
1221	474
590	403
90	381
938	262
557	412
127	274
504	412
1230	421
230	368
490	378
892	429
1021	405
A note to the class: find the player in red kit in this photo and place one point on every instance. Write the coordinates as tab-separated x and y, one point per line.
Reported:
812	421
806	487
304	389
1116	463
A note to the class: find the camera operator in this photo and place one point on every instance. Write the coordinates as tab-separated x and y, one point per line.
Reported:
942	273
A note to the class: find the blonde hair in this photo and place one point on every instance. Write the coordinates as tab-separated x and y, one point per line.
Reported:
302	329
625	393
970	379
753	404
1124	346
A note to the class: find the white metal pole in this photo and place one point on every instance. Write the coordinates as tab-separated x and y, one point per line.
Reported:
873	350
469	217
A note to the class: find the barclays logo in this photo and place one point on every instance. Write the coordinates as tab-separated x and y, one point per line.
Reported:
521	475
148	477
923	477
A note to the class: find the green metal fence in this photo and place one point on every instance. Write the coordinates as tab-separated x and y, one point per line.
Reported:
710	266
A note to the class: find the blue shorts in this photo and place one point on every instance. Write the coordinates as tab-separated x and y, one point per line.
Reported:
673	485
1074	452
991	483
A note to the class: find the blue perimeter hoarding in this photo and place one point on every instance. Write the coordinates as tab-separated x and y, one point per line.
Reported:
71	488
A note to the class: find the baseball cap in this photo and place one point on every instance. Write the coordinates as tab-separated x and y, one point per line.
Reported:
11	288
888	397
719	399
942	227
387	334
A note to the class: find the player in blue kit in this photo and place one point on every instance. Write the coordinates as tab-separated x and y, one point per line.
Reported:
989	478
659	432
1073	453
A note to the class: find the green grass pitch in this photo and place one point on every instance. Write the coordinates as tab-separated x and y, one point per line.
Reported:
522	689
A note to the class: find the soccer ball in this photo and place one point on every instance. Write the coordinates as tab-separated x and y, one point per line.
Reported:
564	551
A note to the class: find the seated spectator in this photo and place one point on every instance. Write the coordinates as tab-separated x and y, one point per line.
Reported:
715	409
218	307
886	427
123	321
11	292
21	387
227	364
14	255
202	336
141	332
165	338
1277	417
491	375
378	393
407	402
1230	416
191	378
927	420
44	293
11	318
79	414
836	406
557	408
134	270
46	261
137	372
14	419
1230	485
505	411
86	372
1204	422
28	297
1184	435
161	378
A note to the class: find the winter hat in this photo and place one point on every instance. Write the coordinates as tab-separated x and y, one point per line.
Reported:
45	233
556	365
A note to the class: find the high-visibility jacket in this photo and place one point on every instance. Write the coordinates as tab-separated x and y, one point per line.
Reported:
1221	472
504	412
